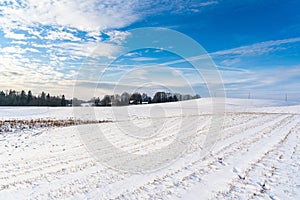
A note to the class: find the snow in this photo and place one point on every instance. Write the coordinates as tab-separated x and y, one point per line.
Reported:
256	154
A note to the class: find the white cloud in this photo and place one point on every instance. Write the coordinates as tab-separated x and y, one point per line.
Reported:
40	26
18	42
18	72
143	59
89	15
265	83
230	62
61	35
12	35
180	6
117	36
88	49
92	16
17	50
32	50
249	50
95	35
12	49
257	48
208	3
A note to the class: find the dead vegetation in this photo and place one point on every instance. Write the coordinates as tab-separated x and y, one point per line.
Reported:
15	125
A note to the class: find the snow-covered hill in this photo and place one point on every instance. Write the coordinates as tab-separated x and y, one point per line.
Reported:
256	154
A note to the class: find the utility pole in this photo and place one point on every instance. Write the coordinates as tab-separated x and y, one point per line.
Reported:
286	97
249	96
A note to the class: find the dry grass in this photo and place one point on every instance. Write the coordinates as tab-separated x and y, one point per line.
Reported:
13	125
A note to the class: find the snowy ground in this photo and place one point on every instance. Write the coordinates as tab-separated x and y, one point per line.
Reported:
255	157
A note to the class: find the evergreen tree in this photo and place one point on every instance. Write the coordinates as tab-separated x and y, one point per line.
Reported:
43	99
29	97
63	101
2	98
23	98
48	99
13	98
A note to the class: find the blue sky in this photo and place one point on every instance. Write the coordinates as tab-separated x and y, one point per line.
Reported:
45	44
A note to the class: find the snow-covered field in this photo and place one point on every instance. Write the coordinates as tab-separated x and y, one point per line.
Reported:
257	153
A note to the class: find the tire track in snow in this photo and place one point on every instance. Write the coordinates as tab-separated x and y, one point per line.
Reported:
201	171
276	167
189	174
258	149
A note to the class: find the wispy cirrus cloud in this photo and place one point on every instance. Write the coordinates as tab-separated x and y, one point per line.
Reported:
144	59
257	48
208	3
239	81
176	7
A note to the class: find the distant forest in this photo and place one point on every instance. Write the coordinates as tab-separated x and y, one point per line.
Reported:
137	98
14	98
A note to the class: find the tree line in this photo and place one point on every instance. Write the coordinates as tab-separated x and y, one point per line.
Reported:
14	98
138	98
